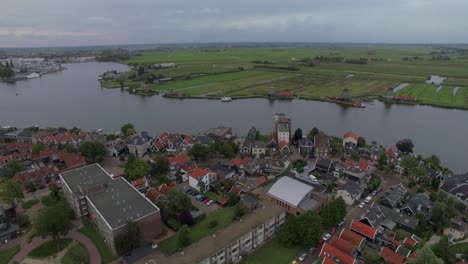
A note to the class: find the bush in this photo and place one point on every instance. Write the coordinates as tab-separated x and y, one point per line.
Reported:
239	211
411	184
213	223
23	221
29	204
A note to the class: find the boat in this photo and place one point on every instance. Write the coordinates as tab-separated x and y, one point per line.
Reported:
226	99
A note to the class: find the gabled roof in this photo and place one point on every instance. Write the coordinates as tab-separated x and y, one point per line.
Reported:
363	229
352	237
239	162
343	245
179	159
391	153
153	194
327	260
189	166
198	172
334	253
235	190
282	145
139	183
410	241
403	251
396	195
260	180
390	256
353	188
289	190
350	135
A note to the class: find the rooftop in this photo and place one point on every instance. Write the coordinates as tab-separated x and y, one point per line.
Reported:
80	180
290	190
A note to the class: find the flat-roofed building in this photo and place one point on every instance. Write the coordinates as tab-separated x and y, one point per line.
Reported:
110	203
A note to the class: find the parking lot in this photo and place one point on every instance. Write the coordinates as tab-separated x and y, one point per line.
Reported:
199	204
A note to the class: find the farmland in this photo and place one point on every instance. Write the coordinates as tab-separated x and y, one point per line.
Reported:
312	72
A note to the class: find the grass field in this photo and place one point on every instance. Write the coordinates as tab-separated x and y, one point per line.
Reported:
217	72
76	254
7	254
49	248
92	233
273	252
223	216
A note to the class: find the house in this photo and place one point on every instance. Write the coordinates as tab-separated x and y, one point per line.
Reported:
223	170
175	163
352	237
338	256
219	133
392	155
324	165
350	141
350	192
403	251
293	195
199	175
203	140
283	147
419	203
394	197
246	147
272	143
344	246
282	128
116	148
363	229
306	147
274	166
322	145
386	218
141	184
154	195
110	203
259	148
390	256
239	163
186	169
252	167
138	145
457	187
455	231
9	229
252	134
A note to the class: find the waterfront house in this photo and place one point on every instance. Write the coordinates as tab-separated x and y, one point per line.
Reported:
350	141
457	187
420	203
306	147
116	148
322	145
219	133
259	148
138	145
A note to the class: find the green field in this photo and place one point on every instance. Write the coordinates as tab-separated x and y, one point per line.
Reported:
7	254
92	233
49	248
250	72
273	252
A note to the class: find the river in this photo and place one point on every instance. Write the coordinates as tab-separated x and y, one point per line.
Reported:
74	98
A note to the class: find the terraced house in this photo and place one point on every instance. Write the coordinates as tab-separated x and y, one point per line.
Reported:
110	203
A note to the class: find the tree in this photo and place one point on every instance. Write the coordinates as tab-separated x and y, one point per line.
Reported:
93	151
314	131
355	155
128	130
201	185
405	146
426	256
239	211
11	192
53	220
136	168
297	135
11	168
183	235
185	217
199	152
383	160
54	192
288	234
433	160
160	165
227	151
361	142
444	251
37	148
75	130
233	199
310	224
440	216
408	162
336	145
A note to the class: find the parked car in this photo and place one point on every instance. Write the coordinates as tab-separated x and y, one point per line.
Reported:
362	204
368	199
210	202
187	189
302	257
333	230
311	250
320	243
195	193
326	237
465	219
340	224
200	197
205	200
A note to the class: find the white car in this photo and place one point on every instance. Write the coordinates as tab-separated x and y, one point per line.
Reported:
302	257
368	199
362	204
326	237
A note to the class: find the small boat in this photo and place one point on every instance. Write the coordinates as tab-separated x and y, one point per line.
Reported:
226	99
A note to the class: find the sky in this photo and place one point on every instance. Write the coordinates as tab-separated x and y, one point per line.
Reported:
30	23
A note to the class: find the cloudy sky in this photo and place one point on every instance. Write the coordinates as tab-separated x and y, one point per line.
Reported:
26	23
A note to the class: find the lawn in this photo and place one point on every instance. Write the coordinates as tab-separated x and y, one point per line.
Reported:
7	254
76	254
460	248
49	248
273	252
92	233
427	94
223	216
29	204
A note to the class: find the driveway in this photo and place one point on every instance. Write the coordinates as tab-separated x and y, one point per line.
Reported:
200	205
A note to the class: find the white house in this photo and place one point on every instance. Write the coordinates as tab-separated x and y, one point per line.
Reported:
138	145
350	192
350	138
199	174
258	148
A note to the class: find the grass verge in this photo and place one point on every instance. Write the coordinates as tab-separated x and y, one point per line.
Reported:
7	254
92	233
76	254
273	252
49	248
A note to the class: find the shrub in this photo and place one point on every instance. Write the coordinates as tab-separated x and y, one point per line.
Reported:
213	223
23	221
29	204
411	184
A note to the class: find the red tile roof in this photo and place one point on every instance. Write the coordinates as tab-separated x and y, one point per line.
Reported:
363	229
165	188
261	180
343	245
410	241
364	165
349	163
326	260
153	194
272	138
350	135
189	166
282	145
139	183
239	162
198	172
188	139
391	153
352	237
391	256
179	159
235	190
332	252
24	176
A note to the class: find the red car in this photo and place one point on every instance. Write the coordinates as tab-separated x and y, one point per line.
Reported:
333	231
206	200
320	243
